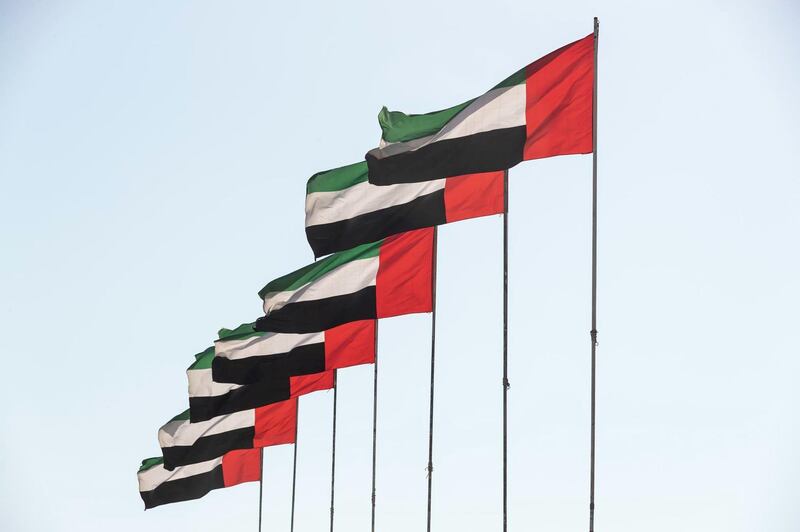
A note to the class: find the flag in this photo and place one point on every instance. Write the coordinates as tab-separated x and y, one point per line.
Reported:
246	356
344	210
386	278
543	110
209	398
158	485
184	443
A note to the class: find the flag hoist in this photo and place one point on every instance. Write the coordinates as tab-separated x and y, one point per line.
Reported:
333	450
376	220
593	330
374	432
294	472
261	490
505	383
433	380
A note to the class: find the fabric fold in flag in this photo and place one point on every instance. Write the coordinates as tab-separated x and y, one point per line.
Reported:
183	442
247	356
209	398
158	485
543	110
344	210
382	279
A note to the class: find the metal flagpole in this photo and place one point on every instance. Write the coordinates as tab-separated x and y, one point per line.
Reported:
593	332
506	384
294	466
260	489
433	365
374	424
333	447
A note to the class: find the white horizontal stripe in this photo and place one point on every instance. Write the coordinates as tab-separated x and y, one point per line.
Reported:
346	279
386	149
167	431
327	207
497	109
182	432
264	345
202	384
151	478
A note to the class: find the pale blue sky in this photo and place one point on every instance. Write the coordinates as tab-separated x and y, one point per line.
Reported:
153	157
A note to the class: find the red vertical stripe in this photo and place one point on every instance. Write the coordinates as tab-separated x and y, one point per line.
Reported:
350	344
241	466
473	195
275	424
404	282
559	101
305	384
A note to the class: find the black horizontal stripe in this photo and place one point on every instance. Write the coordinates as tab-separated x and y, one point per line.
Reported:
424	211
208	447
302	360
320	314
251	396
488	151
184	489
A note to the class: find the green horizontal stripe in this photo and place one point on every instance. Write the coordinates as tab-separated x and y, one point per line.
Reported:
314	271
400	127
148	463
245	330
517	78
183	416
203	360
338	178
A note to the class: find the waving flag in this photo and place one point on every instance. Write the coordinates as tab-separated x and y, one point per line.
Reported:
543	110
158	485
344	210
185	443
386	278
209	398
246	356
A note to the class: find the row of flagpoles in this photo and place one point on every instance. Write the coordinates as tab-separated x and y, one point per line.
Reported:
375	223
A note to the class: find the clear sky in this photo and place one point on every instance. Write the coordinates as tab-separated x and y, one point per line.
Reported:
153	157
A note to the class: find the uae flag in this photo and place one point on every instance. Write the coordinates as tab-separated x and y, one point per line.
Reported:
543	110
209	398
344	210
386	278
184	443
158	485
247	356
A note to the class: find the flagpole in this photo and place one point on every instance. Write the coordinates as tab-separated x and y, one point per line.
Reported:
294	465
506	384
593	332
260	489
433	366
374	424
333	447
